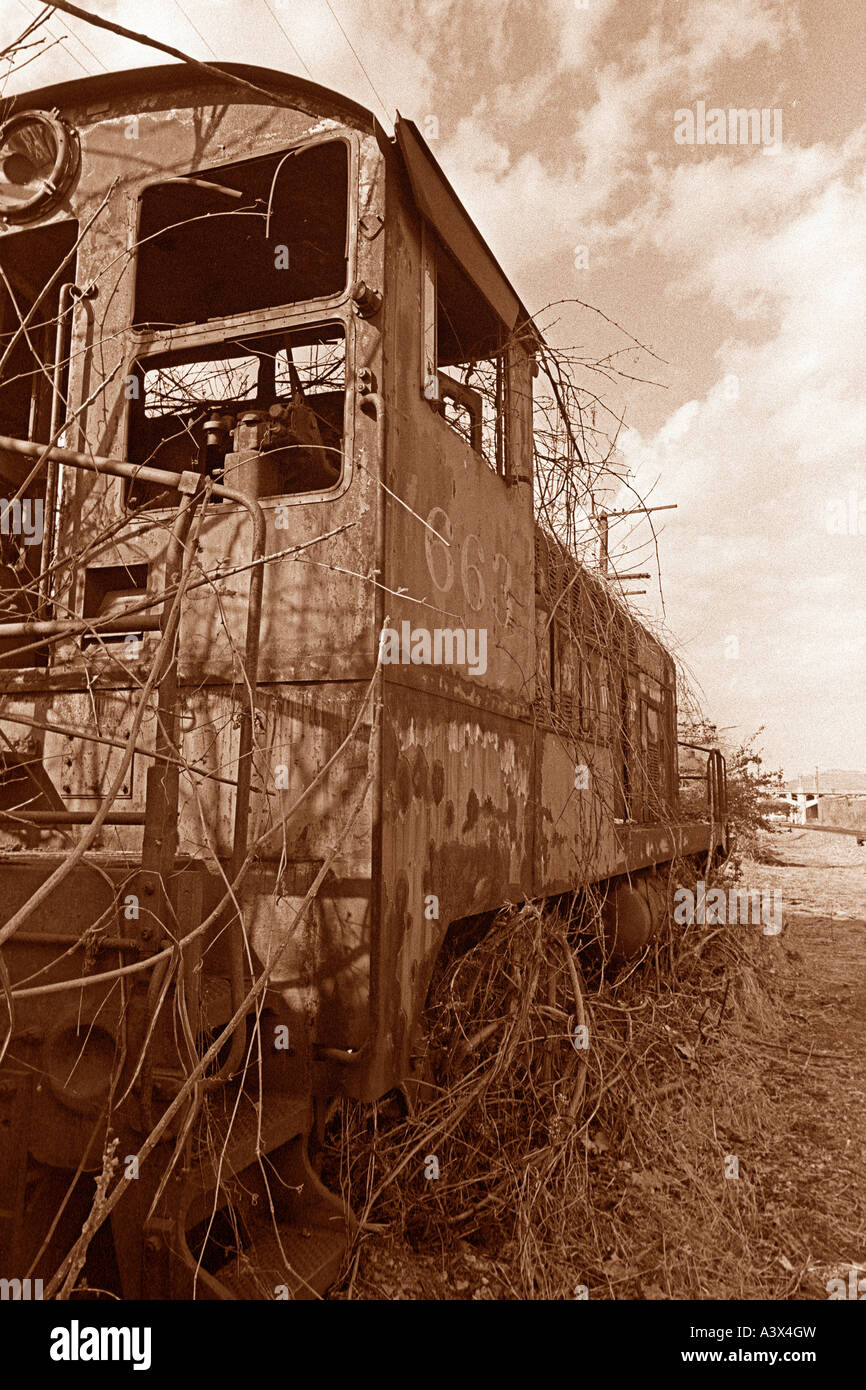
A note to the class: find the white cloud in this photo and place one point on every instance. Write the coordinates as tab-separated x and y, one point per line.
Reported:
753	475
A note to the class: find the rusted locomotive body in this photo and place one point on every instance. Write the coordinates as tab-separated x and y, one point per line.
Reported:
292	680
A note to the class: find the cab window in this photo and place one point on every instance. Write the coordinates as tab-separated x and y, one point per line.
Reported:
244	237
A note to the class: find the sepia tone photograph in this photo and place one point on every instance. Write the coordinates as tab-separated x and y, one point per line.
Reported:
433	663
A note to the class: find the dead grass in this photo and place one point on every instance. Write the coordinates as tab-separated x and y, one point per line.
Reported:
659	1163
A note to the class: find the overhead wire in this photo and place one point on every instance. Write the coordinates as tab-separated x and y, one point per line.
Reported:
358	59
195	28
86	46
59	39
269	7
67	7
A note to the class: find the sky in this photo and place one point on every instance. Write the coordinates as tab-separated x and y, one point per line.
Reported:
739	263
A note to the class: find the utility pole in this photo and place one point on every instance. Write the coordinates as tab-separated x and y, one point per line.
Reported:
602	542
603	517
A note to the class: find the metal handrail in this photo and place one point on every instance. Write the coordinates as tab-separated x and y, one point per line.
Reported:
71	818
57	627
701	747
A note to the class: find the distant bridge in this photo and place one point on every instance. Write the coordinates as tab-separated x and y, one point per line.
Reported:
835	813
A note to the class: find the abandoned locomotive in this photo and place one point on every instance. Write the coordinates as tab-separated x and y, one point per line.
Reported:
272	398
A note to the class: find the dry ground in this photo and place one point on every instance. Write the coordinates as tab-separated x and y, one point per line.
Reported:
749	1050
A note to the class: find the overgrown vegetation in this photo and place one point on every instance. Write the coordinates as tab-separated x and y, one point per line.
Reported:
565	1173
753	787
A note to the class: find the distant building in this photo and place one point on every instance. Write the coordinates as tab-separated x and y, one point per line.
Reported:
828	809
802	805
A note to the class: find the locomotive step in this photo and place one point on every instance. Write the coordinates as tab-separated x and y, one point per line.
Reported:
236	1136
288	1261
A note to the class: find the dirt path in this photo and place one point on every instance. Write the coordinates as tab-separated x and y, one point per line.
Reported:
818	1171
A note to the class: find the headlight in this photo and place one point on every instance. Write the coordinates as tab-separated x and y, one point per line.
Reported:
38	161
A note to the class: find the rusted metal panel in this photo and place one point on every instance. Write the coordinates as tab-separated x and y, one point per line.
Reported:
644	846
456	839
322	970
575	839
318	611
297	731
85	773
165	86
459	540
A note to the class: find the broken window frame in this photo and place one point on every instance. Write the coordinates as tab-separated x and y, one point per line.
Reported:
351	140
439	387
144	343
215	337
108	590
50	333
